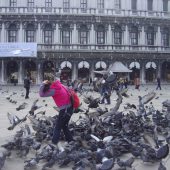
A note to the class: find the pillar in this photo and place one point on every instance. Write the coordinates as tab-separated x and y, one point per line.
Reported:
2	72
39	34
20	76
57	35
142	36
20	33
92	70
142	74
109	35
39	73
3	34
158	37
92	35
159	70
75	71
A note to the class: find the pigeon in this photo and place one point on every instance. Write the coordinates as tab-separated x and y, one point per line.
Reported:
21	107
34	107
161	166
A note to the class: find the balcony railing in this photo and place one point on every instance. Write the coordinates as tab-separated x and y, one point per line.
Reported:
104	48
88	11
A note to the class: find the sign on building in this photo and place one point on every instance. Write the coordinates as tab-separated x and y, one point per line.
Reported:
18	49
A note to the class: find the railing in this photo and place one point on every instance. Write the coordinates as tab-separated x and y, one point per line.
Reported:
105	48
80	11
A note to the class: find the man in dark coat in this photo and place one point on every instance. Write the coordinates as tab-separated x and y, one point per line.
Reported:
158	83
27	83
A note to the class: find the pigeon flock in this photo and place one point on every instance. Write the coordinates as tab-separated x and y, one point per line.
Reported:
102	135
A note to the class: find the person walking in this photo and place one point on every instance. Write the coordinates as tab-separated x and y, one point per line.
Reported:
158	83
27	83
61	97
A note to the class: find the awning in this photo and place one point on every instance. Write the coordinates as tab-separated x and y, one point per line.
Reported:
66	64
151	65
118	67
18	49
101	72
100	64
84	64
134	64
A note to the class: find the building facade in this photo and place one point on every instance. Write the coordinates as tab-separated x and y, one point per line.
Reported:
81	36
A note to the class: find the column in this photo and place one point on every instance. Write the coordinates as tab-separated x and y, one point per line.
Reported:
21	36
3	33
92	35
39	34
20	76
142	74
74	37
2	72
92	69
158	37
109	35
126	36
75	71
159	70
39	74
57	35
142	36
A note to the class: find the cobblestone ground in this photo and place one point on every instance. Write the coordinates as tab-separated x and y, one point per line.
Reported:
6	106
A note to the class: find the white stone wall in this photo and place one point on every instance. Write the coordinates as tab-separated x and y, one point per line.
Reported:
109	4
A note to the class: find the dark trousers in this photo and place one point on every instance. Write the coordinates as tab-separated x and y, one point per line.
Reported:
107	97
62	124
158	87
27	92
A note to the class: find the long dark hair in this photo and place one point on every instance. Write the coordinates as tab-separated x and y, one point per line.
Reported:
46	87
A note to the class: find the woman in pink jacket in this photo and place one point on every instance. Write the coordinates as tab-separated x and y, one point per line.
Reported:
61	98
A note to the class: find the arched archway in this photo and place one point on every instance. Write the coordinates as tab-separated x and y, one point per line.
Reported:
48	70
99	66
66	71
30	70
165	71
150	71
135	67
12	72
83	71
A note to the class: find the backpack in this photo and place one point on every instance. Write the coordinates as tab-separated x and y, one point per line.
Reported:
75	101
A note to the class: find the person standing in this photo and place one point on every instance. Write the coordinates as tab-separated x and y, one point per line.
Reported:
27	83
62	99
137	83
158	83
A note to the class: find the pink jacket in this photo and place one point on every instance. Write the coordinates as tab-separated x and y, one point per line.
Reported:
61	96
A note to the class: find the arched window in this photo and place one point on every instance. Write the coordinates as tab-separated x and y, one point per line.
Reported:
12	33
48	33
30	35
100	35
150	36
117	35
83	35
134	35
66	35
165	37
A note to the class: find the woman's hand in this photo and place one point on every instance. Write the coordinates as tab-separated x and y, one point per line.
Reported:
45	82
